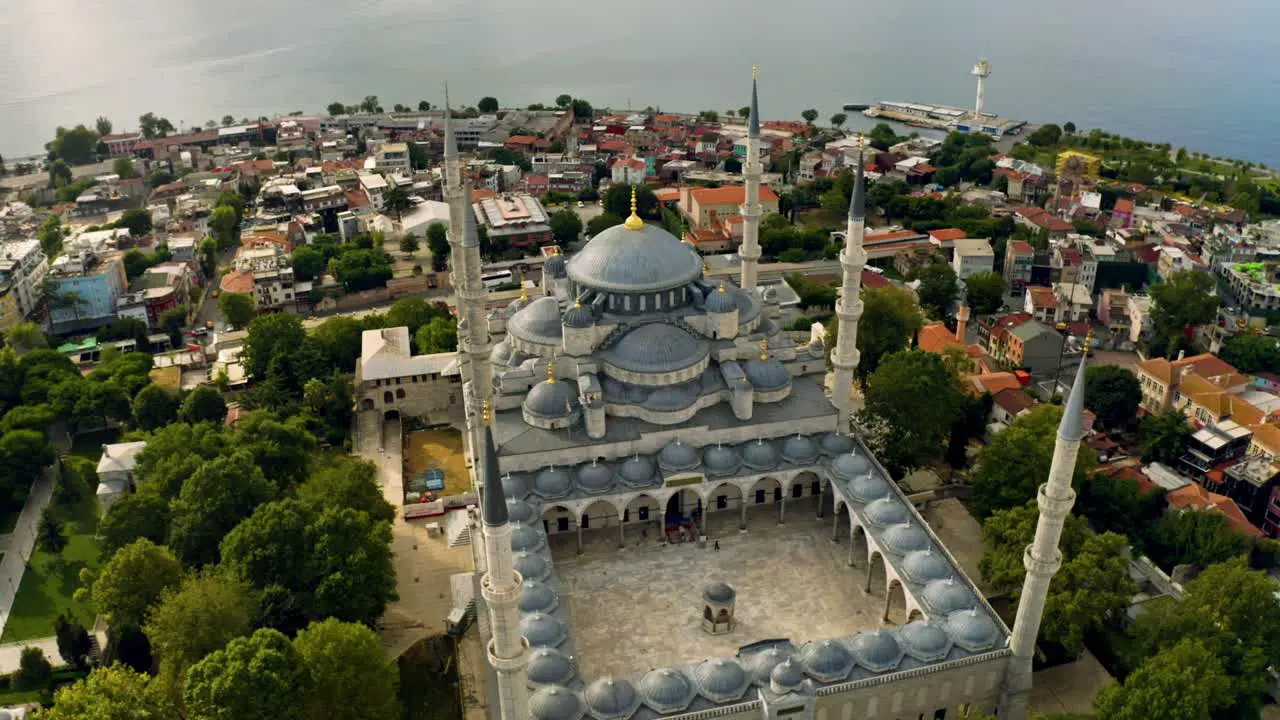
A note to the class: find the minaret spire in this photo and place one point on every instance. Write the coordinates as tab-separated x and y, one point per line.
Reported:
1043	558
844	357
500	588
749	253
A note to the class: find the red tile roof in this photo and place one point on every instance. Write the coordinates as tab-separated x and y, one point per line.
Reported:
238	281
1196	497
1043	297
1013	401
935	337
947	234
1124	205
729	195
1022	248
891	236
872	279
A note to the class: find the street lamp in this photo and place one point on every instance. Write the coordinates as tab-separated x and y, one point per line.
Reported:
1062	350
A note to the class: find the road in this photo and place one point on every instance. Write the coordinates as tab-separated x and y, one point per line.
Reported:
20	544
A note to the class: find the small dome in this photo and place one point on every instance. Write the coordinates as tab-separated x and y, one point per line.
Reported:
542	630
536	596
924	642
677	455
787	675
720	460
513	486
836	444
763	662
552	483
531	566
548	666
554	266
972	630
519	511
759	455
767	374
770	294
500	354
579	316
610	699
946	596
799	450
826	661
719	593
925	566
903	538
877	650
552	399
538	322
868	488
850	465
524	538
721	300
666	690
636	471
885	512
555	703
721	680
595	478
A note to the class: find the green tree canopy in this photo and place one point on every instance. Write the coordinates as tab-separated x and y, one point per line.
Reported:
409	244
135	516
809	115
1195	537
1183	301
339	339
239	308
204	404
439	335
1113	394
1251	353
346	482
34	670
487	105
269	336
938	289
111	693
261	677
220	494
174	452
1164	437
136	220
76	146
359	269
891	318
912	399
208	610
74	644
602	222
1045	135
1016	461
566	226
617	202
308	263
222	224
351	676
413	313
984	292
133	580
336	108
25	336
397	201
438	246
51	536
1184	682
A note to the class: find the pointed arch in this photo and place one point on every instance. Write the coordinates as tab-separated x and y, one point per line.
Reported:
640	518
723	504
877	573
858	547
895	602
840	521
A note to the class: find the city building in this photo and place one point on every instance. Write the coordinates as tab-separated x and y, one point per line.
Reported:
1173	260
1255	285
1160	378
375	187
1140	323
704	207
115	472
392	158
23	268
1018	259
1074	301
84	287
629	171
519	219
1042	303
1112	310
389	378
1214	445
1022	341
972	257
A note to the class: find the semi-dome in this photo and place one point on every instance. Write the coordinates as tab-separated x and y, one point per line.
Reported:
636	471
972	630
538	322
531	566
721	680
799	449
721	300
868	488
612	699
542	630
925	642
554	266
579	316
519	511
763	662
624	260
760	455
826	661
836	444
877	650
903	538
513	486
885	512
719	593
850	465
500	354
767	374
678	455
787	675
595	478
720	460
524	538
552	399
672	397
555	703
925	566
548	666
667	690
537	596
657	348
552	483
946	596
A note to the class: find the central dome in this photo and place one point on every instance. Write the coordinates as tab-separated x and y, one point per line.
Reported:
645	260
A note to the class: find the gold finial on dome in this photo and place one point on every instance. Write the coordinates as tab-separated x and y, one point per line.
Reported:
577	301
634	222
1088	340
551	371
524	293
764	348
485	412
722	286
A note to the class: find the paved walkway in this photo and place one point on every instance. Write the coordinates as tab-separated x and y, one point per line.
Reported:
21	542
11	653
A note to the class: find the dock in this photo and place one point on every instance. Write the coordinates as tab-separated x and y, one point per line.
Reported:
944	117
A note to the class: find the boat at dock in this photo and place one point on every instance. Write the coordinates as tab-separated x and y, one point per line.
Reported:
856	107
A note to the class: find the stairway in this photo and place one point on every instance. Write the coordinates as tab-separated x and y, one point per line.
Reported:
457	527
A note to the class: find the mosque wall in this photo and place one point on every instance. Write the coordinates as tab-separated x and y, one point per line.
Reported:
974	682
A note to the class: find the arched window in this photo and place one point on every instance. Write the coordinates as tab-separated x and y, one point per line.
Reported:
387	398
400	394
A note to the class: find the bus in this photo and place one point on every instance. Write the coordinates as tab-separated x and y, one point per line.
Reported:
494	279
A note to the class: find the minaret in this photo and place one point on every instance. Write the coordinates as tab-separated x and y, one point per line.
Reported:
844	357
500	587
750	250
1043	558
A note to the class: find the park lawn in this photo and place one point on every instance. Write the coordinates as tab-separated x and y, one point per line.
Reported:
49	582
89	445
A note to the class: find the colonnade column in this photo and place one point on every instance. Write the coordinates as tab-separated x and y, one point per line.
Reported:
622	532
742	524
822	497
662	524
835	527
870	564
579	536
851	547
782	509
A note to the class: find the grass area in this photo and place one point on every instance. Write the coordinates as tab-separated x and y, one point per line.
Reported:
9	519
89	445
61	676
49	582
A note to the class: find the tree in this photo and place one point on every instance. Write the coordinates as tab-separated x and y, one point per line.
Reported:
438	246
1016	461
1251	353
59	173
1164	437
76	146
154	407
351	677
51	537
1069	127
359	269
123	166
911	401
25	336
564	100
270	335
346	482
223	223
1113	394
1045	135
882	137
308	263
136	262
132	581
50	235
984	292
136	221
209	256
938	289
423	106
1182	302
111	693
260	677
617	201
336	108
413	313
487	105
239	308
582	109
141	515
409	244
439	335
809	115
34	670
1195	537
74	644
213	501
103	126
839	119
566	226
1183	682
396	201
602	222
208	610
204	404
339	339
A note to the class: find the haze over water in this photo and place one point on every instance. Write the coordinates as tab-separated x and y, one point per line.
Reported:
1201	74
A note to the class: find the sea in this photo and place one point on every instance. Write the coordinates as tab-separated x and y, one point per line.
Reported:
1204	75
